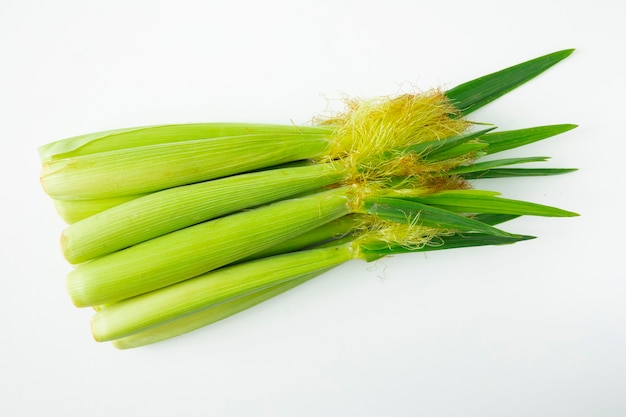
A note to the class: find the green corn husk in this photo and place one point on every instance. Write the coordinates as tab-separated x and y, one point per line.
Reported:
73	211
121	139
124	172
329	233
209	315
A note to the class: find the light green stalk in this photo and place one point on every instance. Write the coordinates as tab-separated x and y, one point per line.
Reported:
152	168
192	251
72	211
207	316
111	140
328	233
166	211
185	298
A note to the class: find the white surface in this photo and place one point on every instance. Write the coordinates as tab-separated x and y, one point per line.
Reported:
538	328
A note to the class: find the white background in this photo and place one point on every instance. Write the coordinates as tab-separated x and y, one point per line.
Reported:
533	329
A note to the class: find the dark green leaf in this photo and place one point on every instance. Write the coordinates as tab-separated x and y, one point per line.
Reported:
475	201
483	166
516	172
460	150
404	211
372	252
493	219
434	148
474	94
502	141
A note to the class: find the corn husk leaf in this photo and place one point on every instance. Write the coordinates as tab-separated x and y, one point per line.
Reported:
516	172
407	211
152	135
510	139
487	165
477	201
472	95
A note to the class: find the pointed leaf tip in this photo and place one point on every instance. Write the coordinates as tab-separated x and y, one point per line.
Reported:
474	94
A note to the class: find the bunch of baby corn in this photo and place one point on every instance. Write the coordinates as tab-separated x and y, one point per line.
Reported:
173	227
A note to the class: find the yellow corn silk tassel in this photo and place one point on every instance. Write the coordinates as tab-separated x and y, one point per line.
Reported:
238	213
